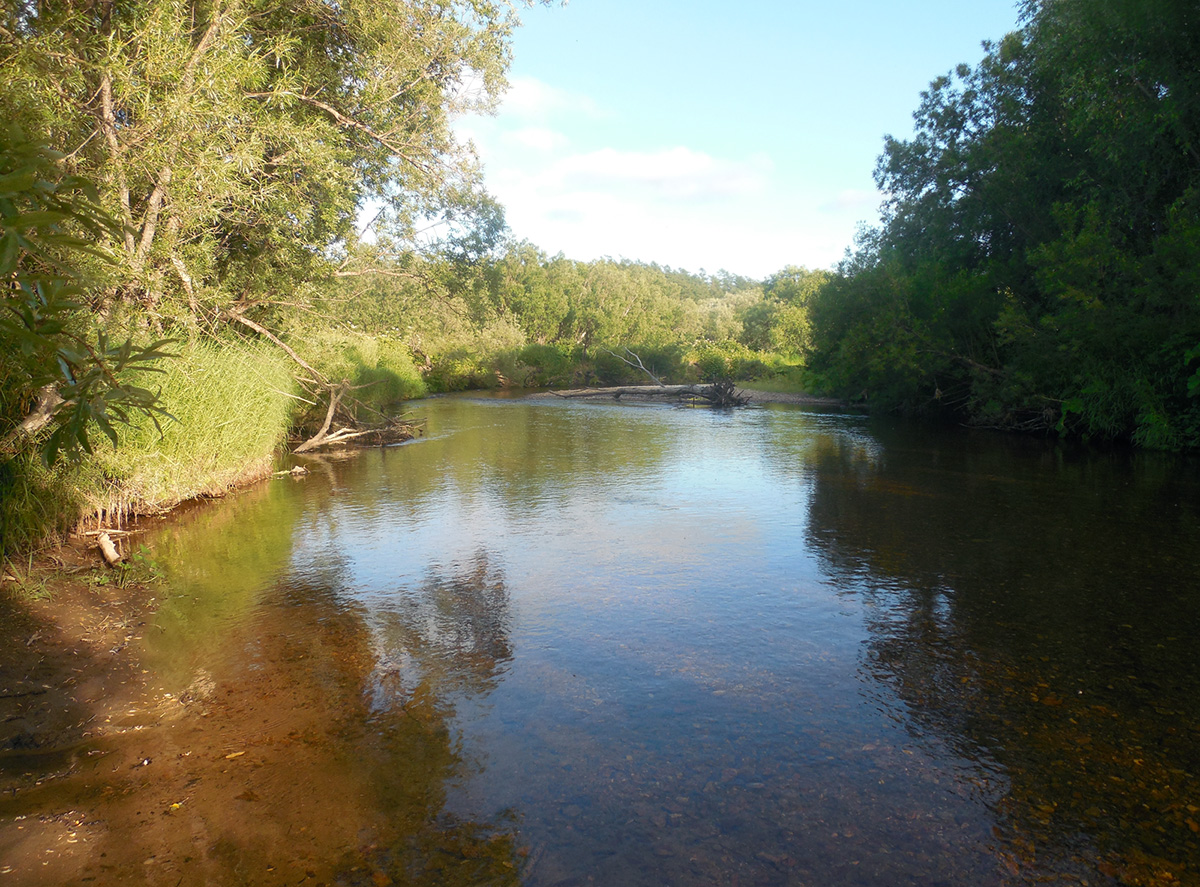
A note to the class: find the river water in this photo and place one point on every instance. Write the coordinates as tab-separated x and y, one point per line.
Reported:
555	643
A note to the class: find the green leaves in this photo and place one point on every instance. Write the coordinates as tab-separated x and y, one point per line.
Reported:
80	378
1037	264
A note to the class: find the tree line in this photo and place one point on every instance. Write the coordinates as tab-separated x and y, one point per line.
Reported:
1037	265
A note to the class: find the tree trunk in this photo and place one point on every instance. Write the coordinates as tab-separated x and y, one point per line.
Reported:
39	417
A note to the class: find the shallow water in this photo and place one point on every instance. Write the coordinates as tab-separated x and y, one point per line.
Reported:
560	643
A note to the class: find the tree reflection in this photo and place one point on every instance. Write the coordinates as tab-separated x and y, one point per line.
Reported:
450	635
1038	613
277	764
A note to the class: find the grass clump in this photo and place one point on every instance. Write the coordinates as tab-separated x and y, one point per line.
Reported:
36	502
232	404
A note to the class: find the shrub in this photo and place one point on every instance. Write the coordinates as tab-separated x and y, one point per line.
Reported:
380	368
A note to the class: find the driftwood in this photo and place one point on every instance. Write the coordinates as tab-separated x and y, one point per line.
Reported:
323	437
391	432
718	394
108	550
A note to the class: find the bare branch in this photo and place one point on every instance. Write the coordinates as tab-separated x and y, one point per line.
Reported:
236	315
108	124
637	366
39	417
336	392
150	219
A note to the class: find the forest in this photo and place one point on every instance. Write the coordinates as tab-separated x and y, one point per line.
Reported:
221	220
1037	265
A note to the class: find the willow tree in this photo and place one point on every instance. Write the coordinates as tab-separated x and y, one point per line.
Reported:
236	140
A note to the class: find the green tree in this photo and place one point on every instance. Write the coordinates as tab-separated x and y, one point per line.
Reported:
780	321
58	371
236	139
1032	270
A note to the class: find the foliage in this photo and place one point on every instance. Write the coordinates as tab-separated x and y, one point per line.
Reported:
236	141
527	319
1036	268
49	221
780	321
715	361
378	368
548	365
37	501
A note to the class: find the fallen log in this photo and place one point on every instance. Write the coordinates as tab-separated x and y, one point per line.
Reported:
108	550
719	394
373	436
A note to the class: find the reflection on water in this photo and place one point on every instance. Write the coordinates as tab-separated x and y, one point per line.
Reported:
451	634
554	643
1047	622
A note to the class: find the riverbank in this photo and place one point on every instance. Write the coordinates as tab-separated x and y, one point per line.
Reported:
69	671
653	392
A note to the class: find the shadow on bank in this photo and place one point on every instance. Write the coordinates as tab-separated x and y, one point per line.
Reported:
279	737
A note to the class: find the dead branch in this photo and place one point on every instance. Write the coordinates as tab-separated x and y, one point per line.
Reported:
236	315
638	365
323	437
48	400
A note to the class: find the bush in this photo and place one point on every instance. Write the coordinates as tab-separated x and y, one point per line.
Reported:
459	370
732	360
548	365
380	368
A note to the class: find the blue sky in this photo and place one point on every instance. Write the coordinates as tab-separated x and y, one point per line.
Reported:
706	135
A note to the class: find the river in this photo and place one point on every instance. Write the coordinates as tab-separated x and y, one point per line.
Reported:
554	643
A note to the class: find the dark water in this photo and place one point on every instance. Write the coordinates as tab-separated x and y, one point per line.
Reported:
558	643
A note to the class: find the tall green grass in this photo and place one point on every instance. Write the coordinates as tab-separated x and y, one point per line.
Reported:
36	503
232	403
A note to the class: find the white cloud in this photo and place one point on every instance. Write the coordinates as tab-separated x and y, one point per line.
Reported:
537	137
851	199
645	225
679	174
570	182
531	99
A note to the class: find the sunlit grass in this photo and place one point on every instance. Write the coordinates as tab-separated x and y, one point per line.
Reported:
36	502
379	367
232	404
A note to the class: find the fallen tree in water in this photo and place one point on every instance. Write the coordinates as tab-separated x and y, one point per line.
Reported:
391	431
718	394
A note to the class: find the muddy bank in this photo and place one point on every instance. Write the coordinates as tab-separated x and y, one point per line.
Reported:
66	667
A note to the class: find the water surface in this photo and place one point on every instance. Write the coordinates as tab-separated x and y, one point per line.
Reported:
559	643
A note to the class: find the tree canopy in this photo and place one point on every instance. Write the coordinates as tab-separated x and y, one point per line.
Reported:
236	140
1037	263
